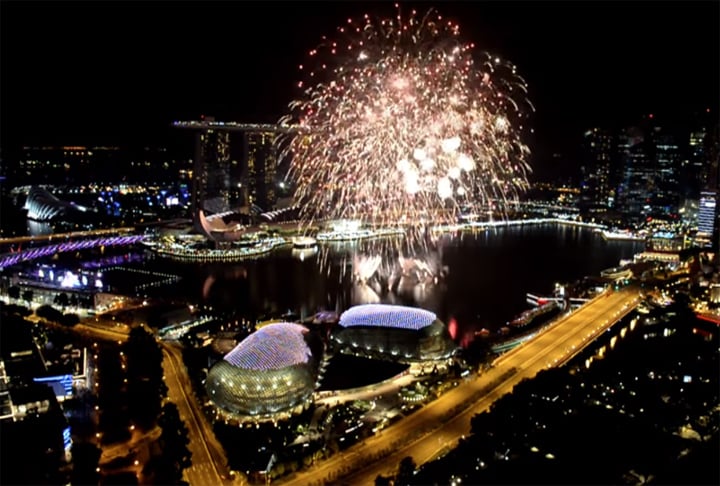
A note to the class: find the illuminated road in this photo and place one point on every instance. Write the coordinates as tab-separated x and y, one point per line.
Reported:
208	457
87	328
436	427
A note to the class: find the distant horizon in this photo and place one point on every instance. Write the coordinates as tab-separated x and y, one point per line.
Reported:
121	72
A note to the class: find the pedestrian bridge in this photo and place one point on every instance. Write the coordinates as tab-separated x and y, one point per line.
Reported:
13	258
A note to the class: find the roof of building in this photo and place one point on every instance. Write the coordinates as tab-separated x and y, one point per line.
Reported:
384	315
272	347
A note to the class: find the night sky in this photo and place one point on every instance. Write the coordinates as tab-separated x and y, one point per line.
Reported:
106	72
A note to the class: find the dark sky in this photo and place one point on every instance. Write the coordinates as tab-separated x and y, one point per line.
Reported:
118	72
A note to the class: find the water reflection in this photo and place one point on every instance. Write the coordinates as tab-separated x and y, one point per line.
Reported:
394	277
227	273
476	282
303	254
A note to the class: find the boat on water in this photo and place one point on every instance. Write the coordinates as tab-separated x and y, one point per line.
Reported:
304	242
522	327
625	235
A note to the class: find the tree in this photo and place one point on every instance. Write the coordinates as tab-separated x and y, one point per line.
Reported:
28	296
49	313
381	480
173	442
406	470
85	458
62	300
14	292
113	423
70	320
19	310
146	387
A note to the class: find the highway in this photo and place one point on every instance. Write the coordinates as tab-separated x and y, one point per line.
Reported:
87	328
424	435
208	457
435	428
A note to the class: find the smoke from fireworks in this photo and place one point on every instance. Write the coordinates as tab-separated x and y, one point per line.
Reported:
402	123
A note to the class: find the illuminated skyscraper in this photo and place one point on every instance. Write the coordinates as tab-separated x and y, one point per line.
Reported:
697	161
212	172
650	183
597	189
707	216
666	196
638	173
262	160
234	168
701	164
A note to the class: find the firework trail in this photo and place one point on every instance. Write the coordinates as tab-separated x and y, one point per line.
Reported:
401	123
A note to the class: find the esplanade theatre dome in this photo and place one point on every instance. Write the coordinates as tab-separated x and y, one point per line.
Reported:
397	333
273	370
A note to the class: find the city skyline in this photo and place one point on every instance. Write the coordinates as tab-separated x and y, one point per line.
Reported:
209	276
120	72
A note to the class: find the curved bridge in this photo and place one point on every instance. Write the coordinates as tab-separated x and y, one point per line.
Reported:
10	259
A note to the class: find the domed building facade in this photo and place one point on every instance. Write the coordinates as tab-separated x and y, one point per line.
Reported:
392	332
273	371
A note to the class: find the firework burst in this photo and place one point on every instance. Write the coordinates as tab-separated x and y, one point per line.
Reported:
401	123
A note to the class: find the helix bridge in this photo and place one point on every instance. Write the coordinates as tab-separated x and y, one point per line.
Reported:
13	258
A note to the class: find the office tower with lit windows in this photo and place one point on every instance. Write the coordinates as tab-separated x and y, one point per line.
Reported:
650	157
597	188
213	172
707	217
696	164
638	172
234	168
666	196
262	160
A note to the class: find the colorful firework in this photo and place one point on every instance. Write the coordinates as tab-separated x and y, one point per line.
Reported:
401	123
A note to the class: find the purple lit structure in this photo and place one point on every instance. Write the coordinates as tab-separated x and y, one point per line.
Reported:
10	259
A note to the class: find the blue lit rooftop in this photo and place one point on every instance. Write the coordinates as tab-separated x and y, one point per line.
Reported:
383	315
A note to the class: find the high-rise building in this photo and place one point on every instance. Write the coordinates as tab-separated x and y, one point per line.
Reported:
696	169
597	188
216	173
262	161
235	167
650	158
638	172
711	149
666	197
707	216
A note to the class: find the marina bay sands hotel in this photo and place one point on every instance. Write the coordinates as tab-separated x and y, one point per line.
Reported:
235	165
